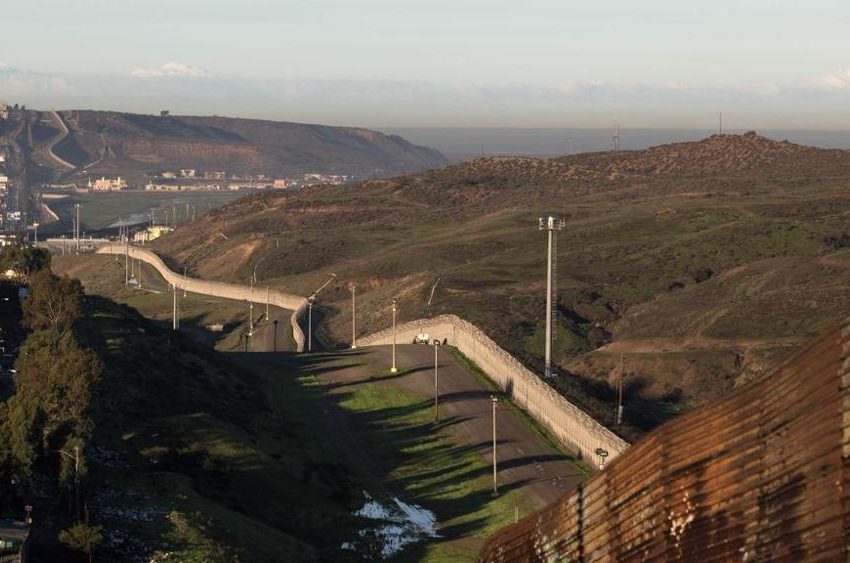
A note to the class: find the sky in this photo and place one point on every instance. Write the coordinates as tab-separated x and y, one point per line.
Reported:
443	63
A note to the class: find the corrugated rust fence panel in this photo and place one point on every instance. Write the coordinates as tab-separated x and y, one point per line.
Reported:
759	476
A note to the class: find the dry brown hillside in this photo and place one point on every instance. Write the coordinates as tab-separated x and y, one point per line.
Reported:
700	264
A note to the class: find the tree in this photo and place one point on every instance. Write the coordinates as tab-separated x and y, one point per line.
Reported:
59	375
82	537
25	260
53	301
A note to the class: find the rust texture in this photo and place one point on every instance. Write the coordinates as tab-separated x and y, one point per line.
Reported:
758	476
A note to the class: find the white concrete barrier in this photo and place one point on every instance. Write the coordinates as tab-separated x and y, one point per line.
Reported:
294	303
574	428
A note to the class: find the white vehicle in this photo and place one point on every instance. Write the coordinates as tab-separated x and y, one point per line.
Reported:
422	338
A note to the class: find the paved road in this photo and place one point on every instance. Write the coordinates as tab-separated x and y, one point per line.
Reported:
526	460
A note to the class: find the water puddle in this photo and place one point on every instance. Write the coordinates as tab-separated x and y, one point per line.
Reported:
397	524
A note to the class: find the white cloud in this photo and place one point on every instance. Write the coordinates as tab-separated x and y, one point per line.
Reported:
835	81
3	65
171	69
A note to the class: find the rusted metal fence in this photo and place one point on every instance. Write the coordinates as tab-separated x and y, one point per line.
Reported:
759	476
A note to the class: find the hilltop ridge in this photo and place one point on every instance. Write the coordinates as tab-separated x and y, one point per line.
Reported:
703	263
106	142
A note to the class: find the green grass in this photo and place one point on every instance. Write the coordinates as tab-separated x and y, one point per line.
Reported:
99	210
452	479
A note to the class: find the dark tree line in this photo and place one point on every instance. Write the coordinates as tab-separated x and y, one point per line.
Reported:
46	424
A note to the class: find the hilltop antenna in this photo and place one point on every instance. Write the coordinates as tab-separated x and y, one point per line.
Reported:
551	225
615	138
720	124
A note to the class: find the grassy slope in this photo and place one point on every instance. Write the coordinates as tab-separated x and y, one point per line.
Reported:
235	450
234	457
723	273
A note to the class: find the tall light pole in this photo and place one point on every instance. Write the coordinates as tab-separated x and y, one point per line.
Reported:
174	321
436	391
268	298
310	301
35	229
495	401
395	308
251	314
353	316
620	393
550	225
126	258
77	228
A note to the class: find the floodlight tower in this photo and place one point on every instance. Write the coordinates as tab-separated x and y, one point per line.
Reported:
551	225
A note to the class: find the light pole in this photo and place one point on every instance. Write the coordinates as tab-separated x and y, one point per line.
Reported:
35	229
274	338
77	228
310	301
550	225
251	314
495	400
310	323
620	394
353	316
395	308
436	392
268	298
174	322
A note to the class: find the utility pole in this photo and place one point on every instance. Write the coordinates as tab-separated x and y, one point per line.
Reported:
353	316
126	259
550	225
77	228
720	124
174	324
495	400
310	323
251	315
436	392
310	301
35	229
268	298
274	339
395	308
620	394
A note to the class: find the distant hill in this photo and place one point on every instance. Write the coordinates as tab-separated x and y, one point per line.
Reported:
702	263
134	144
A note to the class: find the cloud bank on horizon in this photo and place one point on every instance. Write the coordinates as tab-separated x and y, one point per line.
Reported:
544	63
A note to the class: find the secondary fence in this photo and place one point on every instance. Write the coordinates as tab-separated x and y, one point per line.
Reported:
570	425
292	302
759	476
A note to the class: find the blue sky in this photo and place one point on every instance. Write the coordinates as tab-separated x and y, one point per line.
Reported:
535	63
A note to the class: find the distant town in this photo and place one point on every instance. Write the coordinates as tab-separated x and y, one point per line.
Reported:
190	179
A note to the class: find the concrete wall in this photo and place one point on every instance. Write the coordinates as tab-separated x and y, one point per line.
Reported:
569	424
294	303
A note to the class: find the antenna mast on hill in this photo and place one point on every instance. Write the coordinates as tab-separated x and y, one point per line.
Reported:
720	124
615	138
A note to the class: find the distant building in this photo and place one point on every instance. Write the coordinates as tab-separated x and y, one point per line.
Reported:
187	172
151	233
4	111
281	183
108	184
